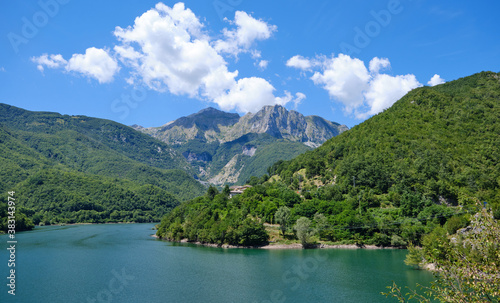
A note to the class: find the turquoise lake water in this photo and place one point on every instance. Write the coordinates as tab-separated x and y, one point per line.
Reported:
122	263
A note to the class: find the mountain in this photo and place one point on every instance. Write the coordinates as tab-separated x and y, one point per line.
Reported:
83	169
442	142
226	148
280	123
424	166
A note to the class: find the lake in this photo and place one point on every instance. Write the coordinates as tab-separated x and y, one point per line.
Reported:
122	263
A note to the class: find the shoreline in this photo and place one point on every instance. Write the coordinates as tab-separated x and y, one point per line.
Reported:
87	223
280	246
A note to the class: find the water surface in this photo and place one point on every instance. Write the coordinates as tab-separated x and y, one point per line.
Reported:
122	263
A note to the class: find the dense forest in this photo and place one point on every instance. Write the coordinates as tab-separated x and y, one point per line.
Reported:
419	166
214	218
67	169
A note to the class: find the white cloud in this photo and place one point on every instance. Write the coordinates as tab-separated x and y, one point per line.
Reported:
287	98
363	92
299	62
263	64
345	79
248	30
378	64
298	98
2	69
436	80
248	95
168	50
52	61
384	90
95	63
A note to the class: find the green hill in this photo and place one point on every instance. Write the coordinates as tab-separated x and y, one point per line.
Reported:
107	169
442	142
425	163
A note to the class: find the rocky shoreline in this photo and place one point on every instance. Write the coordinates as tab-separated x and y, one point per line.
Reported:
283	246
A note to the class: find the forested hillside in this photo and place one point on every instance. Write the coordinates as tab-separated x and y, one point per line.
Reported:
441	143
81	169
422	164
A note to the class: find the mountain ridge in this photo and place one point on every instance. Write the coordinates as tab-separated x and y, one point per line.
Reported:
272	119
210	140
82	169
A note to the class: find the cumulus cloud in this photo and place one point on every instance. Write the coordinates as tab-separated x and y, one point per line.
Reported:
50	61
378	64
384	90
248	30
95	63
436	80
346	79
248	95
363	92
299	62
251	94
168	50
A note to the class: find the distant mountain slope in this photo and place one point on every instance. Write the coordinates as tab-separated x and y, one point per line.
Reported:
203	125
88	133
92	154
250	155
226	148
442	142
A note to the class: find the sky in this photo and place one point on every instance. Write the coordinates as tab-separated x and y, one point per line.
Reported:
148	62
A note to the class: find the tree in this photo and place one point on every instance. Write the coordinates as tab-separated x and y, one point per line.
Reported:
321	224
282	216
467	265
304	231
414	257
212	192
226	191
252	233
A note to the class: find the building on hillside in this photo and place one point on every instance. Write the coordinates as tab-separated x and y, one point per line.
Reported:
237	190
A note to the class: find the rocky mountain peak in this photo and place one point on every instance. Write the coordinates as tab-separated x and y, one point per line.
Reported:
226	148
211	124
206	119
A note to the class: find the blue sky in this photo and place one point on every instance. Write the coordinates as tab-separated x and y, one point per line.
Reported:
149	62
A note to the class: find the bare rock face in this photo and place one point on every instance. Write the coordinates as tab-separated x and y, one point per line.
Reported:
208	139
203	157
